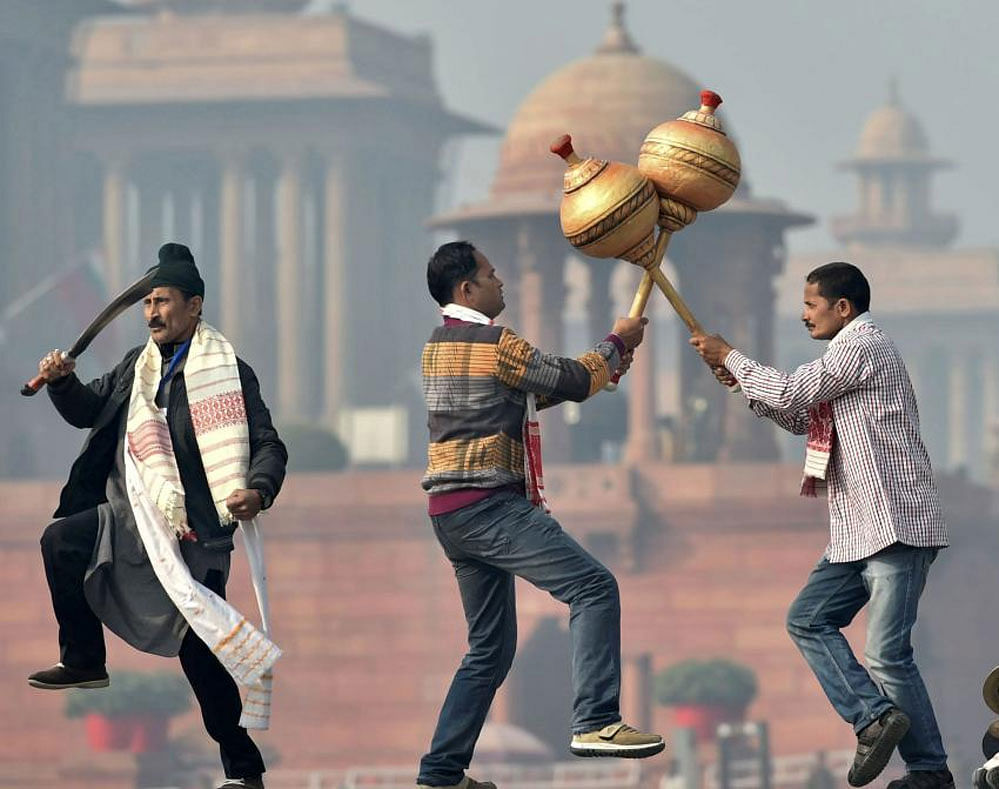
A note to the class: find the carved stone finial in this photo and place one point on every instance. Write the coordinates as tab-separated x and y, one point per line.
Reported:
617	39
893	92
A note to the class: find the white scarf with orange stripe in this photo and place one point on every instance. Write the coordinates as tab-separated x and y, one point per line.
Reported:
155	492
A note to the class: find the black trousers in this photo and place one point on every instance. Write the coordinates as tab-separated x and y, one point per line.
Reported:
67	546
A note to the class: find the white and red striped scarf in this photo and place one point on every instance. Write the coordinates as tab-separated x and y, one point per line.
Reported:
818	450
534	480
215	399
218	414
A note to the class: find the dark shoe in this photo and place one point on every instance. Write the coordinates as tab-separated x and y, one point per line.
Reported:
924	779
875	745
464	783
978	779
256	782
992	777
59	677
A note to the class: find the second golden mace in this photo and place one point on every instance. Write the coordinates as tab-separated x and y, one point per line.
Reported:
611	210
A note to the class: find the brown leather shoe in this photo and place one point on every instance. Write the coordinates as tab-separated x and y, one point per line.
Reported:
875	745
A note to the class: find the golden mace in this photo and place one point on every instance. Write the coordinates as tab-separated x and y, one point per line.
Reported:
611	210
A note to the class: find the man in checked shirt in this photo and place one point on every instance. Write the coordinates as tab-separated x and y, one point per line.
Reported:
858	409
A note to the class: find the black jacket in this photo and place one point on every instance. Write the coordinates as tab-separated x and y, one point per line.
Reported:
100	406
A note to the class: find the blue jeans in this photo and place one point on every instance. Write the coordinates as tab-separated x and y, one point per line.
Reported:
890	583
488	543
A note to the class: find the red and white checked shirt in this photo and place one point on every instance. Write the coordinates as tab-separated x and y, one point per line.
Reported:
880	483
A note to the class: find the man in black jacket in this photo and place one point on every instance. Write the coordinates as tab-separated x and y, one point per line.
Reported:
95	561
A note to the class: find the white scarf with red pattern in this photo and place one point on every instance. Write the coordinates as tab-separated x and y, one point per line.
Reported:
156	494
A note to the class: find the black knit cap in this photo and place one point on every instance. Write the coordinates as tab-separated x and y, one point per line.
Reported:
176	269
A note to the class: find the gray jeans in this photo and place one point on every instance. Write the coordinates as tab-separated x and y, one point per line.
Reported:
489	543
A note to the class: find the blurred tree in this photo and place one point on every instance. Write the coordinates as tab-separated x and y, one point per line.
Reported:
312	447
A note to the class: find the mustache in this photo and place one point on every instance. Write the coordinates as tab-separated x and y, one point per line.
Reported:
156	325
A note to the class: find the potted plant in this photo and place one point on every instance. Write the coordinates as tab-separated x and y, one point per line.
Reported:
132	713
704	693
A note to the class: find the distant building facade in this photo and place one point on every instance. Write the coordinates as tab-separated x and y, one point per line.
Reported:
294	147
940	304
728	259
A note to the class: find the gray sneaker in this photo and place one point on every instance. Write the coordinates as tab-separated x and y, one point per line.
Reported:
619	740
464	783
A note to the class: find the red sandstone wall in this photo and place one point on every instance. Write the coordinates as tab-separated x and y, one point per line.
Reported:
367	611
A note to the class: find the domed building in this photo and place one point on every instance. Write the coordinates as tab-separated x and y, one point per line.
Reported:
266	134
940	304
608	102
893	166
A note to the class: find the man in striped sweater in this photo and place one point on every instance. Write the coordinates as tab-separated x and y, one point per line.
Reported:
482	383
858	409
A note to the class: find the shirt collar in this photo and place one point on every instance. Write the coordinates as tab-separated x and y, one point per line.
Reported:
861	320
463	313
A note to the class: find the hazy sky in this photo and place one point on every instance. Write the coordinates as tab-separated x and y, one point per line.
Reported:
799	78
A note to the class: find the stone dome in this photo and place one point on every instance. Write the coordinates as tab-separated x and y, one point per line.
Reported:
608	102
892	132
217	6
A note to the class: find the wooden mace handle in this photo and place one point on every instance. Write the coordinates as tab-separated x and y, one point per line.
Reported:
654	276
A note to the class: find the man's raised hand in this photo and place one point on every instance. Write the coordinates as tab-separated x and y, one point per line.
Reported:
630	330
55	365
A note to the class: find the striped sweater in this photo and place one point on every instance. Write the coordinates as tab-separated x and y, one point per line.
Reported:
475	382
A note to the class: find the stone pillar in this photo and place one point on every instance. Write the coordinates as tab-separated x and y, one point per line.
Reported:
991	427
231	252
336	224
498	241
114	224
541	252
529	295
636	690
292	352
150	217
976	418
600	306
642	442
957	390
726	265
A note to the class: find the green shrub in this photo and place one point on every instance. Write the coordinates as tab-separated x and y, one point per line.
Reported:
715	681
133	693
312	448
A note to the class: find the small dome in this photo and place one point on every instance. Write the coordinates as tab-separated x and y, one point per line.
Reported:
608	102
891	132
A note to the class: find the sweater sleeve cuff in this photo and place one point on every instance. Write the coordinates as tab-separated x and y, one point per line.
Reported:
60	384
266	487
622	349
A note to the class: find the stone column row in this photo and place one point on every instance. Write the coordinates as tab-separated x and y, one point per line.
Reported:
299	357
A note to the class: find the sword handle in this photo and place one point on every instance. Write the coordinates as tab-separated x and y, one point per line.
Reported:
35	385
